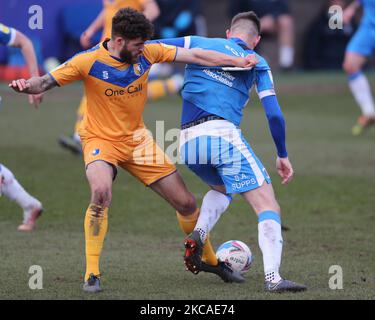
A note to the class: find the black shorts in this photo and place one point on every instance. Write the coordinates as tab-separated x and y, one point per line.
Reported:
274	8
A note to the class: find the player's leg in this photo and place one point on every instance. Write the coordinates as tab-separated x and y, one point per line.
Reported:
359	48
270	239
242	172
263	202
152	166
12	189
173	189
197	153
73	143
286	41
100	175
79	118
214	204
285	27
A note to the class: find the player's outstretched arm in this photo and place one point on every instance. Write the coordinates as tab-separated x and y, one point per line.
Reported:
213	58
86	36
26	46
350	11
33	85
28	52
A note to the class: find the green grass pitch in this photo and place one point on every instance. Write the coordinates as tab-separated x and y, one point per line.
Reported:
329	207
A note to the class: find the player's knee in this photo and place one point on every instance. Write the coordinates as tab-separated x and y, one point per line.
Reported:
350	67
186	205
101	195
7	175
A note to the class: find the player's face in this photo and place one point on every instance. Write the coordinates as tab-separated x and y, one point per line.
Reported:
131	50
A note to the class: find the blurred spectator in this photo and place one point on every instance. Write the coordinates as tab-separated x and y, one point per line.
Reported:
275	19
325	47
103	21
179	18
110	7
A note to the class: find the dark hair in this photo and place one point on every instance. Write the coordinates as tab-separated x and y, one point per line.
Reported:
249	16
131	24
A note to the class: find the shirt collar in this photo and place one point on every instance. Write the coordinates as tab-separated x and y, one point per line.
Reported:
241	43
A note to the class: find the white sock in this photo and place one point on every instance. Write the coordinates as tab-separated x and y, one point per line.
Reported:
14	191
361	91
213	206
286	56
271	243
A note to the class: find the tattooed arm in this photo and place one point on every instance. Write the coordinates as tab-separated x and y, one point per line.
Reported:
33	85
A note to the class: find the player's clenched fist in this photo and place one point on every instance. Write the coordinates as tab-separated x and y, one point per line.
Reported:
251	60
19	85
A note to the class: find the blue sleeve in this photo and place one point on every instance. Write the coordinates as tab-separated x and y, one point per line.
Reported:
7	35
264	83
177	42
276	123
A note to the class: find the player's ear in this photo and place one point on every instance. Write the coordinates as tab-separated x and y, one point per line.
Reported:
227	33
256	41
118	40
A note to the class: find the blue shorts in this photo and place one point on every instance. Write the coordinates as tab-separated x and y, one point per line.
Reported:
363	42
217	152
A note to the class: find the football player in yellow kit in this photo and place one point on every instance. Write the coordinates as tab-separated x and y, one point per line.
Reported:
156	88
115	74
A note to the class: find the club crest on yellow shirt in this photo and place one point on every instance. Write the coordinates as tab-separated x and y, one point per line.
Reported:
138	70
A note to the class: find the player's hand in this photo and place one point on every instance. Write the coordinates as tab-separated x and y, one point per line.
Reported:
85	39
248	62
251	60
19	85
284	169
36	99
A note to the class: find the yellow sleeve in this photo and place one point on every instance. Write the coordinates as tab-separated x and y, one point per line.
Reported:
72	70
160	52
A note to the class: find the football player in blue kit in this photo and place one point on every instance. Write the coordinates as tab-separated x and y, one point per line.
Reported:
359	49
213	147
9	186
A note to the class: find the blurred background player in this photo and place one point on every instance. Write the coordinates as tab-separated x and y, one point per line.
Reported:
275	19
360	48
113	133
213	147
156	89
9	186
324	47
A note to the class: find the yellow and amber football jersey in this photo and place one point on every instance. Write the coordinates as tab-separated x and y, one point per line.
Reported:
111	7
116	91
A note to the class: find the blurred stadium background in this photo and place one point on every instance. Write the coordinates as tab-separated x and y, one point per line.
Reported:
329	207
64	21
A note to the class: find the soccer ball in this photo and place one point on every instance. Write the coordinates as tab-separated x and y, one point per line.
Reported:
236	254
